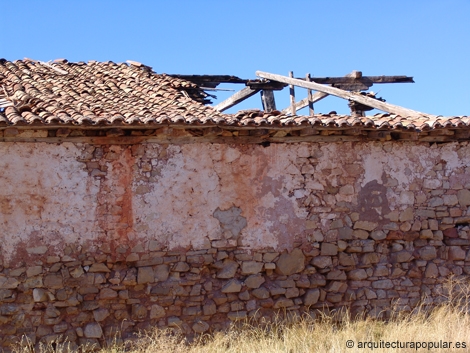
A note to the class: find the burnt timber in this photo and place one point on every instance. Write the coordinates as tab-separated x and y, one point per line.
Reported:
342	87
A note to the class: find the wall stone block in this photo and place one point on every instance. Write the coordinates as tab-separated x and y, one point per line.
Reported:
132	249
227	269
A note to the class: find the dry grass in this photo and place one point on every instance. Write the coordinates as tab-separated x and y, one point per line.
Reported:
449	322
443	324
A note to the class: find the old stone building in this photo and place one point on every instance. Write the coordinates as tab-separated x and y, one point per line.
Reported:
126	203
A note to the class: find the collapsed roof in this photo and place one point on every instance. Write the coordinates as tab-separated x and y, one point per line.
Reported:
131	95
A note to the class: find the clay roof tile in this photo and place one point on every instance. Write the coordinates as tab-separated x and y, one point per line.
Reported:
108	93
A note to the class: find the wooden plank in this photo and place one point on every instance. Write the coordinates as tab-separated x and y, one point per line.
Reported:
352	87
56	69
367	80
410	136
356	86
309	97
245	93
267	98
462	134
324	80
304	102
386	107
441	132
316	138
293	111
272	85
308	131
436	138
210	78
379	135
165	139
216	89
317	96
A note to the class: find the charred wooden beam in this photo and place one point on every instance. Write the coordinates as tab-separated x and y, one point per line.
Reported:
267	98
206	79
358	109
322	80
312	98
387	107
266	85
367	80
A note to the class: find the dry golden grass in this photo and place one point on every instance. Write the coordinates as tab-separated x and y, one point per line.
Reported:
449	322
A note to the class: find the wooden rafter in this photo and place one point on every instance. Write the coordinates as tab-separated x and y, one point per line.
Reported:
309	97
367	80
386	107
304	102
236	98
317	96
292	96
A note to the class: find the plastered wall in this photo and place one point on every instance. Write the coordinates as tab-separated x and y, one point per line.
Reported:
96	238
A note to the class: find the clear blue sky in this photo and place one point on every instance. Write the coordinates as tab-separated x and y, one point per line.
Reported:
426	39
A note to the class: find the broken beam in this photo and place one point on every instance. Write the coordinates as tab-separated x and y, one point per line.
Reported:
270	85
374	103
367	80
267	98
317	96
245	93
210	78
304	102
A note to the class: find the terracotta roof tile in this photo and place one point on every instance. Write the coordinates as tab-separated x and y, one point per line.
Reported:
97	91
106	93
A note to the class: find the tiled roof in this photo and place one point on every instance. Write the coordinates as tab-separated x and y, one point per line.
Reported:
105	93
377	121
97	93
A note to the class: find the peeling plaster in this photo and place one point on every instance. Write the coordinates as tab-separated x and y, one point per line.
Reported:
231	221
193	185
43	191
168	194
373	167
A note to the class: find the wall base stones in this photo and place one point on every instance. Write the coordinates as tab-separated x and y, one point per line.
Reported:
87	297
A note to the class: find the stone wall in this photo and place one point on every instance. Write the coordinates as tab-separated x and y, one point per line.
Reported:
99	238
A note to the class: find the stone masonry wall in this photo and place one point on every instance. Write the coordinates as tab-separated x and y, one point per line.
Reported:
100	238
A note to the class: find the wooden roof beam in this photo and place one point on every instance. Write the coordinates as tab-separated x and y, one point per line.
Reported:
324	80
211	78
238	97
268	101
317	96
368	80
374	103
304	102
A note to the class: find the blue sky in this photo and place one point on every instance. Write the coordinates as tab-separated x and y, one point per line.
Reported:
429	40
